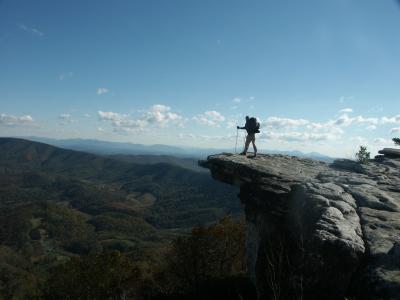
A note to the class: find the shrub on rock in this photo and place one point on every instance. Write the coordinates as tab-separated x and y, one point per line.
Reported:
363	156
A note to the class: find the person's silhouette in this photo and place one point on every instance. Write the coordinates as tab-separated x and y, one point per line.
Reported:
252	127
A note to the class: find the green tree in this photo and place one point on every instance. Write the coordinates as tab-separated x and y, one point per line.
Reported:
18	277
68	228
396	141
363	156
206	256
97	276
15	227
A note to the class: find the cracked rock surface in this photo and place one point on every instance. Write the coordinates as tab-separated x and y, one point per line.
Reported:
339	224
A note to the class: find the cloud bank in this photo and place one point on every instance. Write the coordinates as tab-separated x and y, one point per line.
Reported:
14	121
158	116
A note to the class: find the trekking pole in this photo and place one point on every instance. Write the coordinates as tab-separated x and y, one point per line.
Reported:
237	134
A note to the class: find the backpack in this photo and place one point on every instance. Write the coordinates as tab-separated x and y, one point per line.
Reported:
253	125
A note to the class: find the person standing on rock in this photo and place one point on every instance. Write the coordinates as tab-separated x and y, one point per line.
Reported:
252	127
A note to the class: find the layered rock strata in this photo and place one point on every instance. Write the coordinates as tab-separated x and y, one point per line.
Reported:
390	152
318	231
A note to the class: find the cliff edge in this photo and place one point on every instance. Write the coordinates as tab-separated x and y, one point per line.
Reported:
317	230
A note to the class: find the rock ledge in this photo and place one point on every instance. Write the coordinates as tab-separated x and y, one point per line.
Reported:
316	230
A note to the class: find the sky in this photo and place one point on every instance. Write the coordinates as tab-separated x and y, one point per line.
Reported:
320	76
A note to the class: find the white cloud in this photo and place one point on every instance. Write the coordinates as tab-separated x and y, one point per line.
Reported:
26	119
160	115
390	120
156	116
297	136
316	126
205	137
367	121
13	121
110	116
210	118
65	119
280	123
86	115
101	91
346	110
31	30
327	127
345	120
382	141
214	115
281	129
322	135
236	100
120	122
395	130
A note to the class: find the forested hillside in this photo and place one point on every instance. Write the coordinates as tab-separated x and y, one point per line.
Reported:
57	205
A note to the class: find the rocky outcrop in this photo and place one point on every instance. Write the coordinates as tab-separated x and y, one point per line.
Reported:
390	152
318	231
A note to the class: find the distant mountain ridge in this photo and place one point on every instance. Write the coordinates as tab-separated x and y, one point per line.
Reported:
28	155
59	204
174	186
120	148
111	148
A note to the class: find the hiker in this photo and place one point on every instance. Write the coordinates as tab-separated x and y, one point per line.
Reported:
252	127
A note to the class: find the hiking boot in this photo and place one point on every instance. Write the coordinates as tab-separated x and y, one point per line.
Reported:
243	153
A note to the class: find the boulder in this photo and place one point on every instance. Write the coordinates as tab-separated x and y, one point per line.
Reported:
390	152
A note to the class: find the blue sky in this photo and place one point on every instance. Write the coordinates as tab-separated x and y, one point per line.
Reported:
320	75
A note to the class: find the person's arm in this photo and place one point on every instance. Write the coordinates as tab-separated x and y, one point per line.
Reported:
238	127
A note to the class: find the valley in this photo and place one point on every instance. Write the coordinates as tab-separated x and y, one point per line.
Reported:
56	204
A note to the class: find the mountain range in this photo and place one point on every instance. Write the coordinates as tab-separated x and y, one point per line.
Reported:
120	148
66	202
62	207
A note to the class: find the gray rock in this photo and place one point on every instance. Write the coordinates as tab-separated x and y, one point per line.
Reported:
390	152
336	227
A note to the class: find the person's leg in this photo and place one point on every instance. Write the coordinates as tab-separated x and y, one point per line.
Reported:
253	141
254	147
247	144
